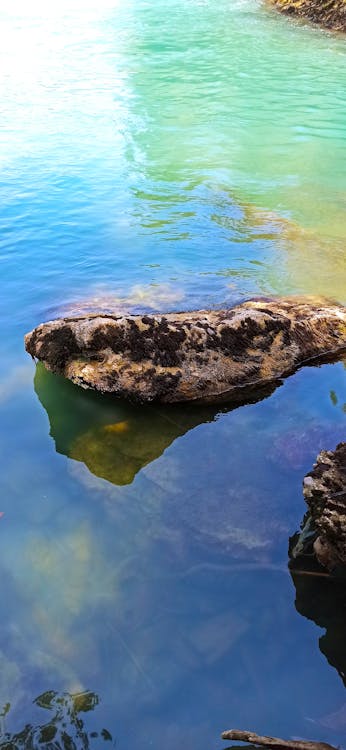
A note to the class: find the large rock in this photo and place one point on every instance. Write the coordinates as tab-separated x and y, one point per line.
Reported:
331	15
325	494
191	356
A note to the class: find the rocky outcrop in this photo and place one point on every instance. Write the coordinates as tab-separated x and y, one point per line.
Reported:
331	15
198	356
325	494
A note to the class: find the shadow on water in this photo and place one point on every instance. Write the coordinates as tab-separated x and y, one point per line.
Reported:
65	729
197	608
322	599
114	438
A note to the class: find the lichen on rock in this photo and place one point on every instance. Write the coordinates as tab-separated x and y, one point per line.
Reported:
325	493
206	355
323	531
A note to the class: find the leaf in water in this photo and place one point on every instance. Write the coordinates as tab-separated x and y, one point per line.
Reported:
5	709
333	398
106	734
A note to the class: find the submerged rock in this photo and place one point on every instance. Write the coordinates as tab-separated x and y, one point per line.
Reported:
325	494
331	15
219	520
191	356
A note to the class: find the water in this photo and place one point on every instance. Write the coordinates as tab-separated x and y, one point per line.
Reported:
164	155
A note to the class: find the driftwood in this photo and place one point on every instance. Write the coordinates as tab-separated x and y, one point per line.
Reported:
274	742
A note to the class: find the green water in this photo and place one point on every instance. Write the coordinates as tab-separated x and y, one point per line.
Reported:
160	156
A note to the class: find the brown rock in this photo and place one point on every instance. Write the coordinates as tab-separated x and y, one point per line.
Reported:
192	356
331	15
325	494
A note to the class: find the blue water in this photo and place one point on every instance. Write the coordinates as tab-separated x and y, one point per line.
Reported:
164	156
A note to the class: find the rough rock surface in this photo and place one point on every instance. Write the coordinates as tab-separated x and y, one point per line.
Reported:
325	494
194	356
327	13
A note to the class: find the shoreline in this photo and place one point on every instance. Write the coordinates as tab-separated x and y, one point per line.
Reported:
329	16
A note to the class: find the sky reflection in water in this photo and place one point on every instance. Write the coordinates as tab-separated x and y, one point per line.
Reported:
159	156
166	587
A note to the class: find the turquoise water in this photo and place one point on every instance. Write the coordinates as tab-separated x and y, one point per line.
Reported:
159	156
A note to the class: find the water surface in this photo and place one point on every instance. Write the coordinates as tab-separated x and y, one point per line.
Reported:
159	156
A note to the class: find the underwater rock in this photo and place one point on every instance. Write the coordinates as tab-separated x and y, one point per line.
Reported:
219	519
102	299
197	356
331	15
294	449
325	494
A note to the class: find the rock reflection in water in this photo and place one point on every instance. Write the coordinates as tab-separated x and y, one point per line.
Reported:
205	488
322	598
65	729
113	438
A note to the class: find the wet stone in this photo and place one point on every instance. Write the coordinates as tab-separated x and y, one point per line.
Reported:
207	355
325	494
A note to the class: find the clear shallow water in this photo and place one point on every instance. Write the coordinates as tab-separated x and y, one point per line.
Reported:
165	155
